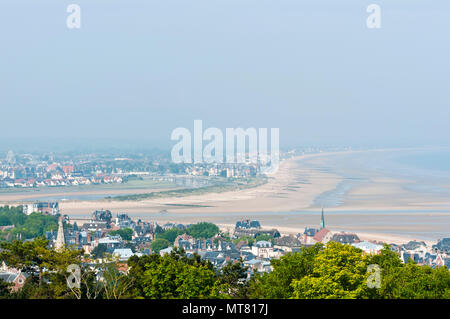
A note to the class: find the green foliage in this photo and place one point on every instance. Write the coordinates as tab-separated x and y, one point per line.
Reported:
171	234
203	230
250	240
233	276
278	283
115	283
264	237
46	266
99	251
5	289
31	226
412	281
125	233
339	271
159	244
10	215
175	276
333	271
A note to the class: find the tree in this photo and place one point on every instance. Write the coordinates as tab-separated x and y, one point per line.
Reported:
233	276
412	281
5	289
159	244
339	271
264	237
31	226
278	283
409	280
47	267
203	230
170	234
115	283
125	233
177	276
99	251
250	240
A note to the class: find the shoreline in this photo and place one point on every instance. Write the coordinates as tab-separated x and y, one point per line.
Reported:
363	236
294	189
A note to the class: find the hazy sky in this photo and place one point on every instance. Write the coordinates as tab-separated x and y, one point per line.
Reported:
138	69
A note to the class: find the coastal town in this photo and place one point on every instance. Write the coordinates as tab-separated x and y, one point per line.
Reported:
117	236
55	170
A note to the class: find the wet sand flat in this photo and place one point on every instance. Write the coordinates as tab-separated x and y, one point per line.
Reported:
373	201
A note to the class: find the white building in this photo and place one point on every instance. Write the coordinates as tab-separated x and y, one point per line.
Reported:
123	253
368	247
264	250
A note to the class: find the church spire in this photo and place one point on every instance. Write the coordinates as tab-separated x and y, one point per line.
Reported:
60	242
322	220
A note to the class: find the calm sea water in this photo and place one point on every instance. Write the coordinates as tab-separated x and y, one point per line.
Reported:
433	160
426	170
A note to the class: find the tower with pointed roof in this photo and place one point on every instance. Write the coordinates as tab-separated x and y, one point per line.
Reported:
60	242
322	221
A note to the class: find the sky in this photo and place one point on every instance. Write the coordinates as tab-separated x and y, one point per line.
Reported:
136	70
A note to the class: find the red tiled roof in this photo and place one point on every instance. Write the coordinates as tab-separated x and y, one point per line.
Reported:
319	236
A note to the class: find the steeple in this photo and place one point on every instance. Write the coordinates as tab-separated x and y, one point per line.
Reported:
60	242
322	221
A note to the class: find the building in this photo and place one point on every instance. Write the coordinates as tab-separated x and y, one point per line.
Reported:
264	250
17	279
49	208
368	247
345	238
123	254
287	243
324	235
167	250
248	224
443	245
253	232
258	265
322	221
185	241
60	242
111	242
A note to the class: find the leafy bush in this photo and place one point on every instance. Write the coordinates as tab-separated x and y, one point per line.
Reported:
124	233
203	230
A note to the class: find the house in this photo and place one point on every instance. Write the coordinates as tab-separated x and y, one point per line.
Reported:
258	265
112	243
264	250
123	253
254	232
406	257
442	260
167	250
324	235
443	245
248	224
310	231
416	247
368	247
13	276
184	241
345	238
95	226
287	243
48	208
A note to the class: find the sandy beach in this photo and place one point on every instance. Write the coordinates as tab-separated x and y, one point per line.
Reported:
379	205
